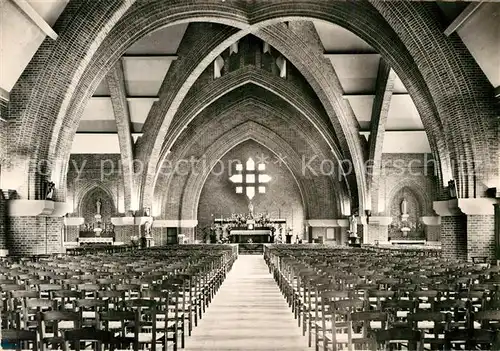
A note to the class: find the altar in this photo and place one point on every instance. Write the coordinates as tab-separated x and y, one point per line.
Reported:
261	236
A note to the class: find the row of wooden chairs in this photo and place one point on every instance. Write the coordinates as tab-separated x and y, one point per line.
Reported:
350	298
139	299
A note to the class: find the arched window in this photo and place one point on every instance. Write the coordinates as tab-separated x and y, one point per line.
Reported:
250	178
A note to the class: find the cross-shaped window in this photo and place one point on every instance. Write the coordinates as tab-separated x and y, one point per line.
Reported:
250	178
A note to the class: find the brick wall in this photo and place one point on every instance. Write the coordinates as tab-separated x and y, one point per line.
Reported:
123	233
480	236
377	232
159	236
454	237
433	232
71	233
218	196
35	235
3	223
270	121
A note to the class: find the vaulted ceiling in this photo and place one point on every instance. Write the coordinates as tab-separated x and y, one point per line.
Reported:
26	23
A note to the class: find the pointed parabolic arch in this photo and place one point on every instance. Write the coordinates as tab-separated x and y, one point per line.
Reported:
264	136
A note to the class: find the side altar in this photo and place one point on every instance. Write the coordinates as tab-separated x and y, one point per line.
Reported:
97	232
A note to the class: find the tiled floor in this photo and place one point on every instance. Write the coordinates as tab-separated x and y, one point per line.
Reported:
248	313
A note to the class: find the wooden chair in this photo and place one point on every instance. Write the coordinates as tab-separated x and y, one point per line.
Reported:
82	338
19	339
368	322
52	324
395	338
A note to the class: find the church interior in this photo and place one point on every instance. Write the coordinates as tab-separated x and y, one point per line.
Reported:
249	175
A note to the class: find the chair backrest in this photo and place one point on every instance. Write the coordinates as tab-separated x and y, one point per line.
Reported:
412	337
17	337
54	318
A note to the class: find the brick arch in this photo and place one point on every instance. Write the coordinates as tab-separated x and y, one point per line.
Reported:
99	52
417	190
171	189
88	191
210	92
246	131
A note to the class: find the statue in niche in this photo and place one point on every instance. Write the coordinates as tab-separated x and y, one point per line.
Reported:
353	225
452	189
404	207
98	206
147	228
49	193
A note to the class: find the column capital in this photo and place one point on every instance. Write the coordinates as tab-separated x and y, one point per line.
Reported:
121	221
457	207
431	220
73	221
175	223
380	220
478	206
328	223
447	208
33	208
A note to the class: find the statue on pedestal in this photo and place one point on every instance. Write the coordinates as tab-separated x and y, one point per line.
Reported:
404	210
49	192
353	225
147	228
98	206
250	209
404	207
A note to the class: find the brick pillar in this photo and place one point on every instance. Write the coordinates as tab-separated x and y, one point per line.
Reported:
35	235
378	229
480	236
453	229
3	226
186	230
480	227
125	229
432	228
467	228
497	231
362	232
336	227
159	236
454	237
35	227
72	228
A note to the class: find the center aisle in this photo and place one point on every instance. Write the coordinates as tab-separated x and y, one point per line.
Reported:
248	313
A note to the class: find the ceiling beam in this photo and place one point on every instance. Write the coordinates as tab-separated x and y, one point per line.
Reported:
497	92
368	132
36	18
347	96
462	18
129	98
116	84
4	96
171	57
348	53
